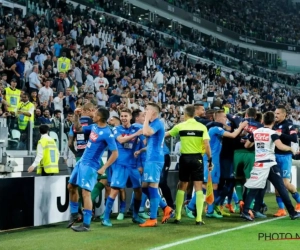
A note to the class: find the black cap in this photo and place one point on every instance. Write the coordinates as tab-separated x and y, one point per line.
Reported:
13	80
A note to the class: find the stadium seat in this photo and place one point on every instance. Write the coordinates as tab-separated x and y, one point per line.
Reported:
15	134
64	141
54	136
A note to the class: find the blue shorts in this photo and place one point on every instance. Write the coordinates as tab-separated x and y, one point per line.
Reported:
215	173
152	171
84	176
284	162
121	173
109	175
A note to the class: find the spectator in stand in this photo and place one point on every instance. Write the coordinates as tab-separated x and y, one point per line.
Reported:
34	80
102	98
68	122
58	102
101	81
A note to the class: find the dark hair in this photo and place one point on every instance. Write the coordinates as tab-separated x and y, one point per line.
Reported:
251	112
57	111
104	113
197	105
258	117
116	117
189	110
44	129
282	108
135	113
268	118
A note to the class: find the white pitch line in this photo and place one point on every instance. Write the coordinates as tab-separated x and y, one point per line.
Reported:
212	234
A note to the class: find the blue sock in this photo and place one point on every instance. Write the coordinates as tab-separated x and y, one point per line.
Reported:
87	216
154	201
204	191
142	207
122	207
108	207
217	198
73	207
235	198
296	197
136	208
131	202
279	202
162	204
210	208
192	204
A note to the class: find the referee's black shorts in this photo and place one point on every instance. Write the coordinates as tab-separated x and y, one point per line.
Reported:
191	167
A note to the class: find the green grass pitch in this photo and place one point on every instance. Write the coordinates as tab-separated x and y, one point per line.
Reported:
124	235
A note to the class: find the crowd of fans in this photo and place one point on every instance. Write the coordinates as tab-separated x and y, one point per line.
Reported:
271	20
60	61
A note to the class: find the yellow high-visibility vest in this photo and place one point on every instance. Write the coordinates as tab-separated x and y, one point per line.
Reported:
63	64
13	98
226	110
23	119
50	156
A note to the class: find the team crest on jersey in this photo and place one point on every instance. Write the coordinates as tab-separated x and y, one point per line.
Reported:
93	136
101	133
280	126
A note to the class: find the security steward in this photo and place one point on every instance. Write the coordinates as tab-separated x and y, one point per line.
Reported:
12	96
194	143
25	113
47	154
63	63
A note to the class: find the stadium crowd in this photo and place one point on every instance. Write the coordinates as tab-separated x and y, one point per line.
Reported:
66	60
275	21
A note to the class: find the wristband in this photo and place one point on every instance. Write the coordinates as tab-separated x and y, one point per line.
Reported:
209	160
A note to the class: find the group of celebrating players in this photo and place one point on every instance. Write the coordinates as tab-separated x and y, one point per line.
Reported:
240	153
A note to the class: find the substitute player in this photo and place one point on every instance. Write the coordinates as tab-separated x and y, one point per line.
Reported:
193	137
265	139
287	135
154	130
84	174
126	136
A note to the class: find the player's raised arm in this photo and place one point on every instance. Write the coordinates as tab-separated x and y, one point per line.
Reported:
147	130
237	131
77	124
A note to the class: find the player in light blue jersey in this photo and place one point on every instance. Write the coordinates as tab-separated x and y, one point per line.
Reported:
84	174
216	133
126	136
154	130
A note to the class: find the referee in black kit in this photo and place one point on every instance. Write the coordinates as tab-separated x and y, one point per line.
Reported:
194	142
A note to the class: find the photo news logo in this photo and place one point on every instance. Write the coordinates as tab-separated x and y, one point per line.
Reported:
278	236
